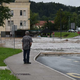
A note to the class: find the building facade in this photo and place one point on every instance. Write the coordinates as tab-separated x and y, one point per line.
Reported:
20	11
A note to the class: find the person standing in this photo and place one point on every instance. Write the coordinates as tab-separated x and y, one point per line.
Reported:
53	34
26	44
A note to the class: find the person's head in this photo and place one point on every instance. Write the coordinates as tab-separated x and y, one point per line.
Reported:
27	33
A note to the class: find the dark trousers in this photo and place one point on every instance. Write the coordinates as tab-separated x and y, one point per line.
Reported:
26	54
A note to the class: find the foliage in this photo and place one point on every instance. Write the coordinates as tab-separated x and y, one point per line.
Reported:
50	9
6	75
4	11
6	52
61	19
66	34
5	1
33	19
48	24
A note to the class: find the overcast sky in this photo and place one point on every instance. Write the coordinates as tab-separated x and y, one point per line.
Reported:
66	2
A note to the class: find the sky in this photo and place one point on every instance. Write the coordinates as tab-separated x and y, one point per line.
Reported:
75	3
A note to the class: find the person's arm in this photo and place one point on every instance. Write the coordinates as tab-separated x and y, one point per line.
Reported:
30	44
22	45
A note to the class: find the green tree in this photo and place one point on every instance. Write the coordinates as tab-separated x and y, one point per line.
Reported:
78	20
49	9
4	11
74	17
48	24
33	19
62	19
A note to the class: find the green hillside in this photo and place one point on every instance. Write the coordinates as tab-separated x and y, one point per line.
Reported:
50	9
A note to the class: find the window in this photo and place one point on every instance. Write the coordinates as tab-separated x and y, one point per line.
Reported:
24	12
21	24
24	23
12	12
10	23
20	12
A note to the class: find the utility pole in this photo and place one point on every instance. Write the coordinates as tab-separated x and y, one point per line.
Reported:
69	23
61	23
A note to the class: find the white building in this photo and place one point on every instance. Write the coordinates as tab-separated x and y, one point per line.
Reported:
20	10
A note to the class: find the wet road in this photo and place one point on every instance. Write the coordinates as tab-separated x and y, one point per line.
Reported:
67	64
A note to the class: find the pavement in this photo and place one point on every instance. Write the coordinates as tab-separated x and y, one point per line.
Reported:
3	67
33	71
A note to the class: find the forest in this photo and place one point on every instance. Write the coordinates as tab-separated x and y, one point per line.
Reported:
50	9
61	14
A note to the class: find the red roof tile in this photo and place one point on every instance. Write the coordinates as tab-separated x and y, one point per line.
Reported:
41	23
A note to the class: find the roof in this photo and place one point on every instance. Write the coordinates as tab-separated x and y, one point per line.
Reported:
41	23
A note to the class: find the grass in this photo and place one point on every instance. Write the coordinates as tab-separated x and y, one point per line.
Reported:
5	53
6	75
66	34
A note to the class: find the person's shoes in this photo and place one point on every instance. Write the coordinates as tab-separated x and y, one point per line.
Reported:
25	63
28	62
